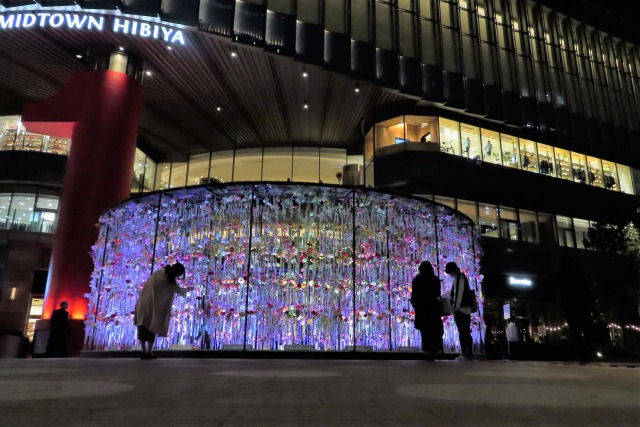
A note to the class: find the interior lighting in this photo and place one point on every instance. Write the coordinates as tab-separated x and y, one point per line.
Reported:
121	49
79	56
218	108
148	73
357	88
305	74
169	47
12	297
234	54
305	105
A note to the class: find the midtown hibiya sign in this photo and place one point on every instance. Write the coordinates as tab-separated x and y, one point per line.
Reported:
92	22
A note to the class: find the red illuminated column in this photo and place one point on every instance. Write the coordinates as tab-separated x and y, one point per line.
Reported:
99	110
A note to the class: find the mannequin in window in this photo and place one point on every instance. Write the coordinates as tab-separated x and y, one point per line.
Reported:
525	161
488	147
466	145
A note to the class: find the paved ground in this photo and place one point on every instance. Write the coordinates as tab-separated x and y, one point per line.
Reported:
230	392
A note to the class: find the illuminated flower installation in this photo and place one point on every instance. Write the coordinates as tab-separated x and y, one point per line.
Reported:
277	264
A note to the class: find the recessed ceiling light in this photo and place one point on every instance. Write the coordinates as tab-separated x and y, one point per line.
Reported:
305	74
121	49
218	108
79	56
305	105
169	47
357	88
234	54
148	73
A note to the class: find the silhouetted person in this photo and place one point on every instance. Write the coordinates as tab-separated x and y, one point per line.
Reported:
425	299
153	309
461	313
57	343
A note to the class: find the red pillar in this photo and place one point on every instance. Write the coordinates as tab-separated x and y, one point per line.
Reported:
100	111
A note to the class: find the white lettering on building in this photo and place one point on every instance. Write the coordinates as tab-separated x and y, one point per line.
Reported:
520	282
80	21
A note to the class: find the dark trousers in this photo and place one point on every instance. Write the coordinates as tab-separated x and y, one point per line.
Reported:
463	323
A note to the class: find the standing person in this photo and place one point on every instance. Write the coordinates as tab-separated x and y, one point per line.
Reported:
57	343
513	339
153	309
461	313
425	299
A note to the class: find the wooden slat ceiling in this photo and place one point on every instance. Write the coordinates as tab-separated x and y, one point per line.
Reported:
261	96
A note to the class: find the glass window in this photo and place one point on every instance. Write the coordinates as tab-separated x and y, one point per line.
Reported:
221	166
565	231
309	13
8	132
163	171
447	201
390	132
331	162
509	228
406	34
491	147
178	175
468	208
281	6
21	211
609	175
470	136
582	231
545	160
368	146
46	212
421	129
306	163
277	164
578	167
488	219
247	165
138	171
369	175
5	218
510	151
149	174
31	141
529	226
624	179
334	16
425	8
449	137
594	167
198	169
546	229
57	145
528	155
563	164
360	20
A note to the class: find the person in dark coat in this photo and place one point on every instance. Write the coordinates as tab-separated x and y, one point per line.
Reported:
57	343
425	299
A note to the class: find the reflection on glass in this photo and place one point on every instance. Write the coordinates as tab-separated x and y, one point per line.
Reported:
545	160
163	171
421	129
563	164
277	164
491	151
221	166
624	176
447	201
470	136
509	228
331	162
248	165
529	226
469	209
306	164
488	220
594	169
178	175
609	175
546	229
138	171
565	231
198	169
510	151
390	132
528	155
149	175
449	137
368	146
578	167
582	231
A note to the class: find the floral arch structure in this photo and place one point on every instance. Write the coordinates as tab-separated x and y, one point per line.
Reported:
273	265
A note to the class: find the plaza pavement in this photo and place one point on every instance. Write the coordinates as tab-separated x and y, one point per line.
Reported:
302	392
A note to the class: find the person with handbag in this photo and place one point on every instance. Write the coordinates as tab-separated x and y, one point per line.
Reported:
425	299
462	308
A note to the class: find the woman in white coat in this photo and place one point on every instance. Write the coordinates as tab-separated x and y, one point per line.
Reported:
153	309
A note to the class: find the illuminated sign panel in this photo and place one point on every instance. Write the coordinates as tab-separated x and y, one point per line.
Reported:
79	21
520	282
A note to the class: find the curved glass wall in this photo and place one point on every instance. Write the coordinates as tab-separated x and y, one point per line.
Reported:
461	139
274	265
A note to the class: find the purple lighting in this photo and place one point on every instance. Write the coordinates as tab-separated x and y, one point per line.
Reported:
273	265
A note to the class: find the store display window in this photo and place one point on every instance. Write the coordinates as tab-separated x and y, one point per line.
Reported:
528	155
306	163
579	167
247	165
57	145
609	175
198	169
29	141
221	166
509	227
277	164
470	142
21	212
389	133
625	181
8	132
468	208
331	162
546	165
565	231
529	226
594	171
488	220
510	151
421	129
546	229
163	172
491	151
563	164
449	137
581	227
178	175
